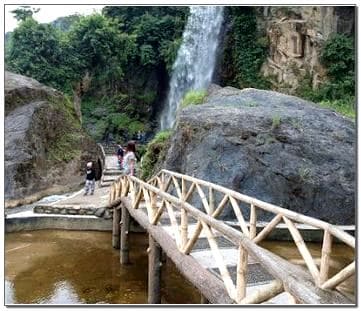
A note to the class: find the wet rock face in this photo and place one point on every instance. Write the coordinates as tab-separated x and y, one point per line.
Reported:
277	148
45	145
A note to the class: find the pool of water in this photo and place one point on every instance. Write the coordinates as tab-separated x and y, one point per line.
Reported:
77	267
340	257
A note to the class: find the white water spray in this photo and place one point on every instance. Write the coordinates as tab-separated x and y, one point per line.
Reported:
196	58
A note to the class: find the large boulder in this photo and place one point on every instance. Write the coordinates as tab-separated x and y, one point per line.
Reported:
45	146
274	147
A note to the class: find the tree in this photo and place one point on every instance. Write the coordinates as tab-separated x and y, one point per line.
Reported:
36	51
23	12
102	48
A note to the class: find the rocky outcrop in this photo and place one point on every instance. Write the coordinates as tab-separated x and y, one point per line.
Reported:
45	146
275	147
296	36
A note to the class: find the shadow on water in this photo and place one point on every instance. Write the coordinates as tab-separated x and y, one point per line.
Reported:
74	267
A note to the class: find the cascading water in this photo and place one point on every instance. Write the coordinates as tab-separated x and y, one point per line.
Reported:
196	58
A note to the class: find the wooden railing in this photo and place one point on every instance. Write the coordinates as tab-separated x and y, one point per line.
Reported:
170	191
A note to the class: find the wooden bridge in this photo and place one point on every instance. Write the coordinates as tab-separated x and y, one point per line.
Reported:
224	260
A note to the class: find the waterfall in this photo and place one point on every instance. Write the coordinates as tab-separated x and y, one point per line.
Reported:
196	58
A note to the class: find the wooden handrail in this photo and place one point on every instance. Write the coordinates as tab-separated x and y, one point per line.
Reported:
165	180
297	217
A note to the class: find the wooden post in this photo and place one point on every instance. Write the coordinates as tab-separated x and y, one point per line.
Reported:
124	237
241	273
204	300
184	218
291	299
325	256
116	228
154	272
302	248
211	200
253	222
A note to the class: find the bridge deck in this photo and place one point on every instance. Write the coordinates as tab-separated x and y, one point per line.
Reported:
203	253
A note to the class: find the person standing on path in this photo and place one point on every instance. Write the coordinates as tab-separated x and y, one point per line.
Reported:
129	160
89	179
120	155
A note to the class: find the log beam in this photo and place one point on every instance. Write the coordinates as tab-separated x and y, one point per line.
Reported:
116	228
124	237
154	272
206	282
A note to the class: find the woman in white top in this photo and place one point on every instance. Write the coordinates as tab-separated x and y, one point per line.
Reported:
129	159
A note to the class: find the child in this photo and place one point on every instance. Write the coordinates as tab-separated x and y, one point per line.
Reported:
90	179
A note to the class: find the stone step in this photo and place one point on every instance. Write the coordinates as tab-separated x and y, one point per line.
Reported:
109	172
110	178
105	184
112	168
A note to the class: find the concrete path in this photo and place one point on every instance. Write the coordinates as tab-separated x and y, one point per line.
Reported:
101	193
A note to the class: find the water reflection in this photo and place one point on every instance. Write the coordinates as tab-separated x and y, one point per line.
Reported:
73	267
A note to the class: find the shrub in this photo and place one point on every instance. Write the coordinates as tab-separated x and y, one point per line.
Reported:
155	151
338	56
193	97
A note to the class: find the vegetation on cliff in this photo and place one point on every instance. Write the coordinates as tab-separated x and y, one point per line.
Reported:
245	50
155	153
338	56
193	97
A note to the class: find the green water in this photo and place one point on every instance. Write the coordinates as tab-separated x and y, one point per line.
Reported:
77	267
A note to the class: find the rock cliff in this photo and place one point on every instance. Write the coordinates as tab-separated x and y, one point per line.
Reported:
275	147
296	35
45	146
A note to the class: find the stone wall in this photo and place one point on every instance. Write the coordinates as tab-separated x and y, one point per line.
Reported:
74	210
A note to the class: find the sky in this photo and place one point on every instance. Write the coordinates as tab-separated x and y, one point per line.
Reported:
49	13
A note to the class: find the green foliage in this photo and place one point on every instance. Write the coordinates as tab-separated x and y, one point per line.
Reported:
338	93
169	50
36	51
276	122
64	23
338	55
193	97
24	12
155	151
245	50
101	47
345	107
157	30
65	148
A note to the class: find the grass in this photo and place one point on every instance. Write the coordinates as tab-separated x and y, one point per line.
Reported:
305	174
193	97
339	106
276	122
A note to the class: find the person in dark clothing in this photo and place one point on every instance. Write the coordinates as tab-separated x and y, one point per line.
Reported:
89	179
120	155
